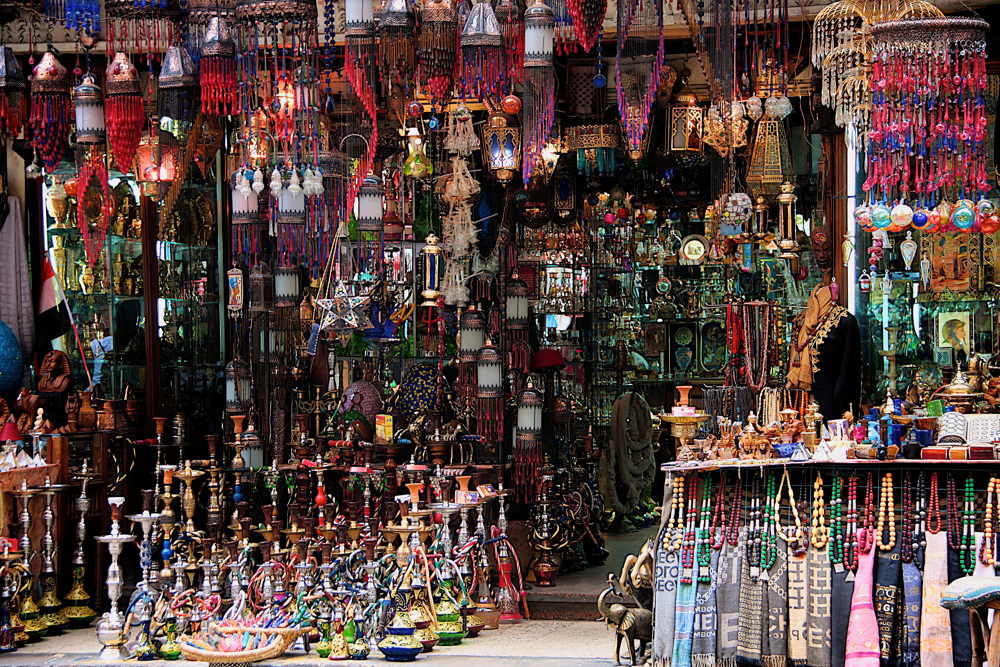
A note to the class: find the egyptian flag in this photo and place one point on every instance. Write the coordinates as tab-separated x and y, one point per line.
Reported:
53	314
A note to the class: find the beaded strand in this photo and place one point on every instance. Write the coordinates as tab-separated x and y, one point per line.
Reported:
820	533
886	514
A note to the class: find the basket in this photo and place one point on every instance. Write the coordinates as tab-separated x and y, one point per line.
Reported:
286	637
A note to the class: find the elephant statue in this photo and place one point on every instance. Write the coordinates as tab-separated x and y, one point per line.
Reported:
630	623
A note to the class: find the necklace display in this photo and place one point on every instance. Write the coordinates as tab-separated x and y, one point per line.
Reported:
793	537
735	517
819	533
886	515
836	524
756	318
967	555
934	507
717	535
851	533
987	554
954	525
688	543
675	522
754	541
907	521
769	540
704	546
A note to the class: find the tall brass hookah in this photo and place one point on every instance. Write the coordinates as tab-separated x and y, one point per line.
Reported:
50	604
78	612
30	617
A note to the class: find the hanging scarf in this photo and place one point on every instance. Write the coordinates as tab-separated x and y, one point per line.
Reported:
727	601
961	633
818	610
841	591
684	621
887	580
775	641
935	623
911	598
862	648
748	651
798	608
819	318
664	595
703	643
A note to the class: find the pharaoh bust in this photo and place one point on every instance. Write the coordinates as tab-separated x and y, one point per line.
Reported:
54	374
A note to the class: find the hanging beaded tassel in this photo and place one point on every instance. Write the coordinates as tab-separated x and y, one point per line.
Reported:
93	173
539	108
635	93
12	94
123	110
436	48
527	464
50	110
588	19
484	69
360	50
219	90
512	30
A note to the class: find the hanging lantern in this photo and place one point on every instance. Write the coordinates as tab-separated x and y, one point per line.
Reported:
588	20
291	201
436	47
770	161
237	376
501	146
684	130
489	393
432	262
518	316
540	83
528	457
472	334
245	204
12	94
123	111
89	108
637	73
370	206
50	110
177	86
595	147
395	42
483	68
512	30
286	286
261	288
156	160
786	222
219	89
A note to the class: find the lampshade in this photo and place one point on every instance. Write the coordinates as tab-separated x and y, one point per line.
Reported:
517	303
359	16
686	123
157	158
472	334
529	411
244	199
539	33
89	106
370	197
237	375
13	93
286	285
489	372
10	432
261	288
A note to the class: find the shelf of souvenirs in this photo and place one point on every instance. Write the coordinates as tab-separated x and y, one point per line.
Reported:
72	233
751	464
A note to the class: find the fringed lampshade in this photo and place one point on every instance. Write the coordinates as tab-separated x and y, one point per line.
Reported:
123	110
177	86
50	110
770	160
395	42
489	393
512	27
484	70
436	47
12	93
219	89
540	83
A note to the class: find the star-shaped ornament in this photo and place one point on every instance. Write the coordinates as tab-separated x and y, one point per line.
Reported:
343	312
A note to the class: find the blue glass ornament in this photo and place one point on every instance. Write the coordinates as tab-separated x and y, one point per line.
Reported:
11	360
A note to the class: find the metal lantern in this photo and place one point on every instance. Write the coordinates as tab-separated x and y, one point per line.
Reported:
370	200
770	160
237	375
13	89
489	372
292	203
124	113
245	203
501	147
50	110
529	411
517	303
156	158
261	288
528	444
177	84
686	125
432	261
539	34
286	285
786	221
472	334
89	107
359	17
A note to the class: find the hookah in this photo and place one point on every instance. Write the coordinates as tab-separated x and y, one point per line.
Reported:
77	611
50	604
509	599
110	627
140	607
8	589
188	476
29	612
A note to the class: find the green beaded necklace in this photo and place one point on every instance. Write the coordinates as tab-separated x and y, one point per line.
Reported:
836	524
705	534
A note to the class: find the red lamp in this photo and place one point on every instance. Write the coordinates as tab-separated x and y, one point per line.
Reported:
10	432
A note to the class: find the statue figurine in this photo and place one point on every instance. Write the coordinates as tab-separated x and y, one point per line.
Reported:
87	278
629	623
54	373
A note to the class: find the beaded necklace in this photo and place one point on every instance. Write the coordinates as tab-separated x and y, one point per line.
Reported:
987	554
886	514
796	538
687	546
851	535
820	533
754	542
934	507
672	537
867	537
704	551
735	517
954	523
921	527
967	556
836	525
769	545
718	535
908	521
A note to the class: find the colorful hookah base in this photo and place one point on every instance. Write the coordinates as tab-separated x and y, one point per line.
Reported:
359	649
170	650
400	648
474	625
451	632
427	638
79	615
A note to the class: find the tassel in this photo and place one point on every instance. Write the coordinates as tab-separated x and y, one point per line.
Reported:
484	70
511	21
93	239
12	111
588	19
538	113
50	123
436	48
219	91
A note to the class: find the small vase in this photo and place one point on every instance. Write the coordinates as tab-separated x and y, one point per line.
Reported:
683	391
87	417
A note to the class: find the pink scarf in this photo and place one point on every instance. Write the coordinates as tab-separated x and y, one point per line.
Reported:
862	627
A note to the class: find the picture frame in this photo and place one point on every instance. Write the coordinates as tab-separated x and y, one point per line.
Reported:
655	338
954	331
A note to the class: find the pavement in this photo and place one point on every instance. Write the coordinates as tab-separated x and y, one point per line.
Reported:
526	644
